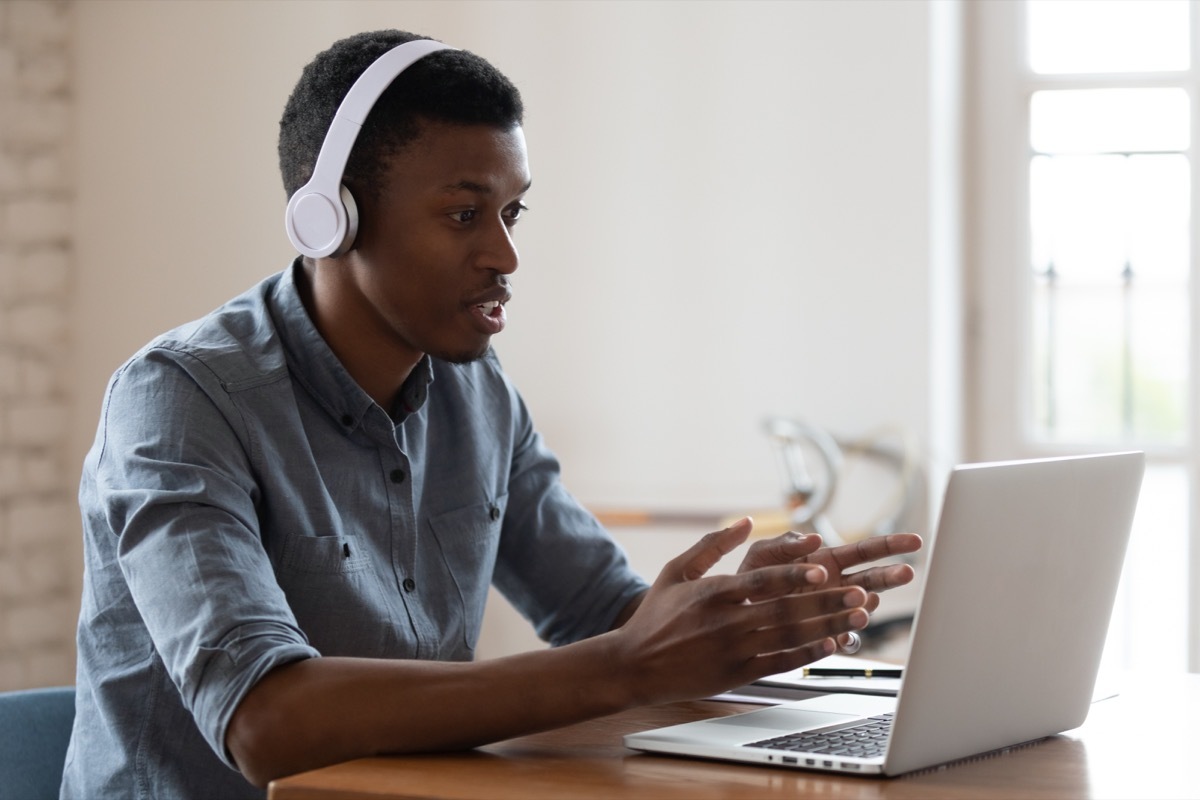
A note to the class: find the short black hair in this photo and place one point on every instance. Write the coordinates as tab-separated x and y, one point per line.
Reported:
452	86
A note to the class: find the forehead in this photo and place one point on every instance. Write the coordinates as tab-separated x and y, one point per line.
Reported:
448	157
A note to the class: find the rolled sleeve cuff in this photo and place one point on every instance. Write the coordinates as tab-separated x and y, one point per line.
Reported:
228	671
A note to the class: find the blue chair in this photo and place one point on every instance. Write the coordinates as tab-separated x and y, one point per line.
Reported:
35	727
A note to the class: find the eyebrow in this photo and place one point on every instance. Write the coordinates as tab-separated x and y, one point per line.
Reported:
478	188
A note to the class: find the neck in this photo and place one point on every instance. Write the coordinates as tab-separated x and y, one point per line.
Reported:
376	362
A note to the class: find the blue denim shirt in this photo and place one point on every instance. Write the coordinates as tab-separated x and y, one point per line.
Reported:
246	504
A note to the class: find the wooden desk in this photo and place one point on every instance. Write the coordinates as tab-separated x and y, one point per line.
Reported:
1099	760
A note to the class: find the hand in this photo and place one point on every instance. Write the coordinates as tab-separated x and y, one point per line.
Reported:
805	549
694	636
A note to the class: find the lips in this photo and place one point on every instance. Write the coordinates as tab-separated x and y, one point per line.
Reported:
487	310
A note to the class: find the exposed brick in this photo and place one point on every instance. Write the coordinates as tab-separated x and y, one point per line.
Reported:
10	375
38	622
37	377
8	66
36	219
44	574
12	581
51	666
9	261
13	177
38	570
35	522
37	122
43	271
45	72
10	477
37	23
12	667
47	172
32	423
42	473
37	324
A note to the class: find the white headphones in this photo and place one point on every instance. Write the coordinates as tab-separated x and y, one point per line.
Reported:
322	217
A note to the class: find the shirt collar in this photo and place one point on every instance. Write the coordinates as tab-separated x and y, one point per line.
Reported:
314	364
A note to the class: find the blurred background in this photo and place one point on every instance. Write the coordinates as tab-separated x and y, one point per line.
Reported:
864	216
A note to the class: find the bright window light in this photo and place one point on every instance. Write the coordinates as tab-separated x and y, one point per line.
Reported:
1078	36
1109	121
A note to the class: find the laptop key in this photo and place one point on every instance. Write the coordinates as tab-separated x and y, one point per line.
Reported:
860	740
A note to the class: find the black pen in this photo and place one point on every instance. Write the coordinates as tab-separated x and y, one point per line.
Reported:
832	672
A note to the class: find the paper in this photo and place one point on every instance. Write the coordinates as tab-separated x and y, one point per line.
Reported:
787	686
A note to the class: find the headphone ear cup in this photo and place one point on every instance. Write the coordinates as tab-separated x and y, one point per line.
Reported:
350	206
321	226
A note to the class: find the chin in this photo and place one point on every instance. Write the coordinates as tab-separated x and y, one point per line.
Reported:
462	356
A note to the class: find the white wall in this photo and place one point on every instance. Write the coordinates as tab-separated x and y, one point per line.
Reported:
732	213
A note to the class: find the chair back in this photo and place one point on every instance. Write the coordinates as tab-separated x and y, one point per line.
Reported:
35	728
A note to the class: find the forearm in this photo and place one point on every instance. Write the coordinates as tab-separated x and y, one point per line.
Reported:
325	710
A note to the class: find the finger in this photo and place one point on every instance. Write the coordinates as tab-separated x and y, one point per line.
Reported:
787	660
874	548
808	614
764	583
780	550
802	632
698	559
880	579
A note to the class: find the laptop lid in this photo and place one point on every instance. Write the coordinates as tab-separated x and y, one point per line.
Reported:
1018	591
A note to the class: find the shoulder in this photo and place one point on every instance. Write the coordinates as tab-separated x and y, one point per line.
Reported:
234	346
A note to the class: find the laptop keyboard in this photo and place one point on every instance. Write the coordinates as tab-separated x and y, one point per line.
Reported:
865	739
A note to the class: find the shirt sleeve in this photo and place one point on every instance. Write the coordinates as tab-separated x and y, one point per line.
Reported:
173	478
557	565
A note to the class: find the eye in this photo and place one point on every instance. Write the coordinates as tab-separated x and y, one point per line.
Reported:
514	212
464	216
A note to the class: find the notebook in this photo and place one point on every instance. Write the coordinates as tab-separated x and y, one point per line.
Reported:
1006	643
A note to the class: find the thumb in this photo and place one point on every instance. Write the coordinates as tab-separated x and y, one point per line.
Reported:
704	554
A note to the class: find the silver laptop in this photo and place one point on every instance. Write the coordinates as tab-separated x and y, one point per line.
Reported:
1007	640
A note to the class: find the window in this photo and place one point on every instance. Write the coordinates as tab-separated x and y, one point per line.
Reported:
1084	288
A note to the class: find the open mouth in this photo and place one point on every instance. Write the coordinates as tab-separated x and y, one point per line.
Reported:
490	307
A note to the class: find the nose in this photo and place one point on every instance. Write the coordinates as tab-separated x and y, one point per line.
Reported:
497	249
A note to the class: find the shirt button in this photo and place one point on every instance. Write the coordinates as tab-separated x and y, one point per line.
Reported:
494	513
397	476
409	584
347	420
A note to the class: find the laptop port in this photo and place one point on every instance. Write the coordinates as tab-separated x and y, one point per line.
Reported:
790	760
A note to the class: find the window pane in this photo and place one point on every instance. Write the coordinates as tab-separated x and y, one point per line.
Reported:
1077	221
1109	121
1158	213
1110	305
1074	36
1092	215
1110	366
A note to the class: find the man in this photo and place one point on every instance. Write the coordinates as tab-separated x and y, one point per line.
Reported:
294	506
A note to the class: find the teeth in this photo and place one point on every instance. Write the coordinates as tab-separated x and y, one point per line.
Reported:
489	306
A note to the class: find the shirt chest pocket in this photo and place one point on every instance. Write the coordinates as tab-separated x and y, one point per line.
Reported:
334	592
468	539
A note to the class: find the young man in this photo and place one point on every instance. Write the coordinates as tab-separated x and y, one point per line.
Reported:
295	505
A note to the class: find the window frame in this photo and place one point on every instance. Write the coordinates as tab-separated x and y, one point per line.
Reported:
999	411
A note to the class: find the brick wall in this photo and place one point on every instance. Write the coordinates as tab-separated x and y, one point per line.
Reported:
39	561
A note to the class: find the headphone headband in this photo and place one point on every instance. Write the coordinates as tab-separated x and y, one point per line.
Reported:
322	217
